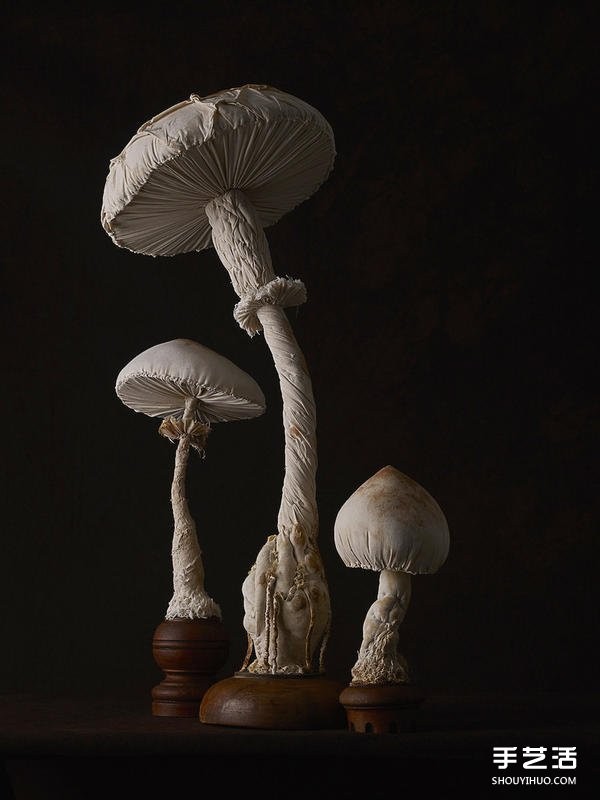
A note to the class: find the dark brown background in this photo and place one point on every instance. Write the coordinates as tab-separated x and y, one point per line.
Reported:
449	331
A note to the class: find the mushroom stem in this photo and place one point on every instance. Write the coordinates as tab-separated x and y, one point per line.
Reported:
298	495
281	643
190	599
240	242
242	246
379	661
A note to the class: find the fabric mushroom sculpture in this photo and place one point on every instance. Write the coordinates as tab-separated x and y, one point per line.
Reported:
217	170
391	525
190	387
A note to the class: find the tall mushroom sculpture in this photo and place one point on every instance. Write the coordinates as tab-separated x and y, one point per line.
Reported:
190	387
218	170
392	525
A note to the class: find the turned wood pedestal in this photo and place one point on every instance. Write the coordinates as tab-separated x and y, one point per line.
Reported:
190	652
391	708
276	702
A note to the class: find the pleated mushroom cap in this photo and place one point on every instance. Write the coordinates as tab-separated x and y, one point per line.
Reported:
274	147
160	380
392	522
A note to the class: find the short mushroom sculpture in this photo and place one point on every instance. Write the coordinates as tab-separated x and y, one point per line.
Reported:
218	170
392	525
190	387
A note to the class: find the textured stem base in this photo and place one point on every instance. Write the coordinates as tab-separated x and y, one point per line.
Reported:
190	652
274	702
391	708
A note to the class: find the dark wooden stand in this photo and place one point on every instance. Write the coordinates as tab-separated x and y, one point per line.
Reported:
390	708
275	702
190	652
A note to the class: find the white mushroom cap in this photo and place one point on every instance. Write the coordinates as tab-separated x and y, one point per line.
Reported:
160	380
275	148
391	522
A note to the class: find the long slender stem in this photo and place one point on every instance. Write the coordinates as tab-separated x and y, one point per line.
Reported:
189	596
298	494
286	598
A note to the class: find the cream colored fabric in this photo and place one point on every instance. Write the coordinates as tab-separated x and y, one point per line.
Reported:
379	660
298	495
393	525
283	292
272	145
286	607
190	599
286	598
221	169
242	246
158	381
391	522
244	251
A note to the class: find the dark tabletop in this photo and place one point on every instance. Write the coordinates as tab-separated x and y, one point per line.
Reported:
63	747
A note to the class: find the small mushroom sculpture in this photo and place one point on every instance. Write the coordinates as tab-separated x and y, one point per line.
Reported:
190	387
392	525
217	170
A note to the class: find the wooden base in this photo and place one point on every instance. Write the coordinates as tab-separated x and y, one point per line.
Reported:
190	652
274	702
381	709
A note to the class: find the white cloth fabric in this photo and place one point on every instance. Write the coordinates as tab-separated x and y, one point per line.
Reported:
158	381
190	599
272	145
284	292
392	523
286	598
298	494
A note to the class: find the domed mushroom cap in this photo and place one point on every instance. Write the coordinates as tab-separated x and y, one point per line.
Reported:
392	522
160	380
275	148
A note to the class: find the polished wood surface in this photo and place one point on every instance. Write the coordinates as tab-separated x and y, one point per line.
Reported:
190	652
305	702
389	708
